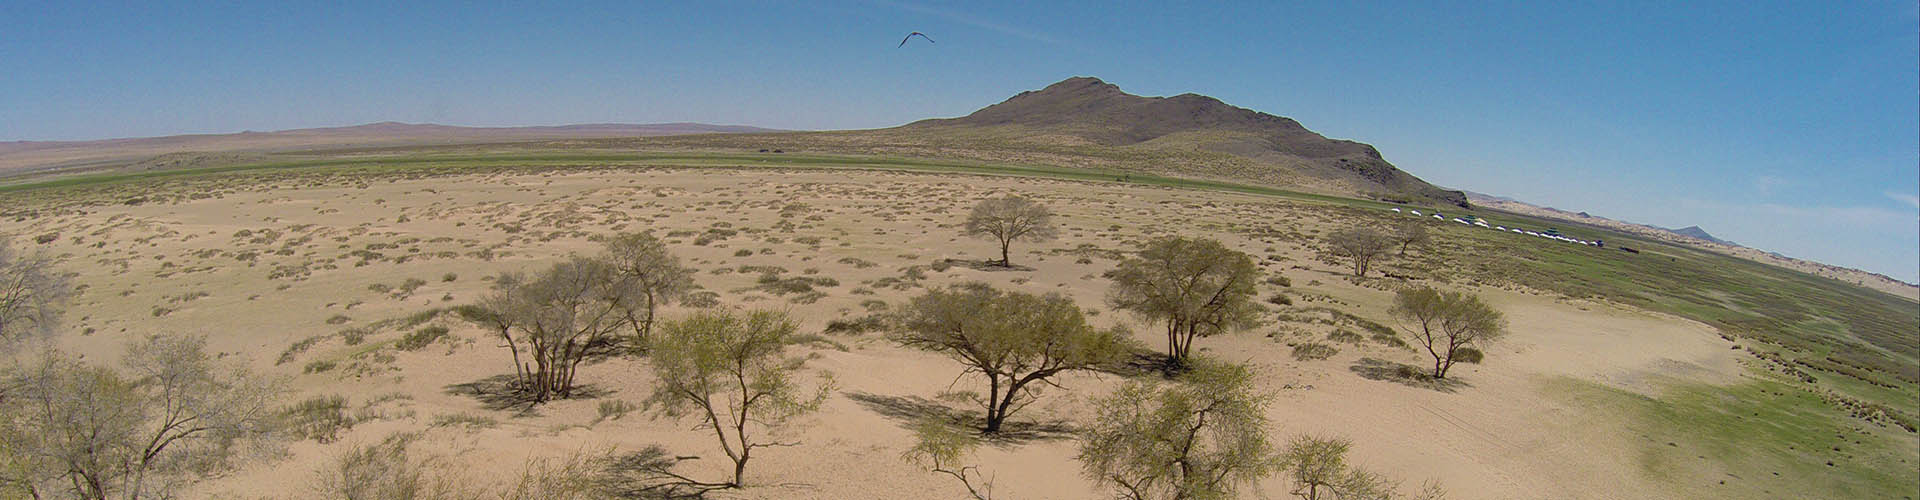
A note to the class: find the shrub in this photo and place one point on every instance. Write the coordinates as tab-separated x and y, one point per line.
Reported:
417	339
465	420
1279	281
856	326
613	409
320	418
338	319
1468	355
1345	335
1280	299
742	253
1312	351
449	278
319	366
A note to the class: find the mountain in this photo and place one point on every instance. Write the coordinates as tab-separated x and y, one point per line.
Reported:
1693	236
31	157
1084	109
1696	232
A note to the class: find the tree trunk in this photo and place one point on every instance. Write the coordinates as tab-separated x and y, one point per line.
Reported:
1005	261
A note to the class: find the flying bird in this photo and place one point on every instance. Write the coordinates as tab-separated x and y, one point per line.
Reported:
903	40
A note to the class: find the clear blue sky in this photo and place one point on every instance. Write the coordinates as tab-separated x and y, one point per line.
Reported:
1787	126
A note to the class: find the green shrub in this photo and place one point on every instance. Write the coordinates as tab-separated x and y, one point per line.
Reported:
417	339
449	278
1345	335
1311	351
320	418
338	319
319	366
1280	299
1468	355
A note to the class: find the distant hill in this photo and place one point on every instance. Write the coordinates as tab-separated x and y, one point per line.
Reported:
1693	236
1098	112
38	157
1696	232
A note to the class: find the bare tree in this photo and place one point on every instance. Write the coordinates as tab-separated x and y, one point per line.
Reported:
94	432
1197	287
555	320
1201	438
1015	340
1360	244
1011	218
730	371
32	295
1445	322
654	275
1409	233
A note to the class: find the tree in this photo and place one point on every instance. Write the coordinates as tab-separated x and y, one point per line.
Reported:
554	321
32	295
940	446
1360	244
729	369
655	275
1011	218
1015	340
1318	468
1408	233
1197	287
1446	322
1199	439
94	432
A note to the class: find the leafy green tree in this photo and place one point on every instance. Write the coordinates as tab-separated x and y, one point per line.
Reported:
1015	340
1010	218
1202	438
1196	287
1318	468
1447	323
731	372
940	447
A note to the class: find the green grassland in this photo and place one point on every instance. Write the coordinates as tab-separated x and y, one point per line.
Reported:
1764	438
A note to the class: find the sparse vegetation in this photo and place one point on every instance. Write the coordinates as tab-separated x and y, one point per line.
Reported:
652	275
554	321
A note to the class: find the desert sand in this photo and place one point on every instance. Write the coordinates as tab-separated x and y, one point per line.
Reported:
259	267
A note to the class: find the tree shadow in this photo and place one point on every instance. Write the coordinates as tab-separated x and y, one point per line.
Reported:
985	265
505	393
1145	363
1404	374
909	409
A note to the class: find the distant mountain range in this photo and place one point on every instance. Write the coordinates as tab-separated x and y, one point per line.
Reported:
21	157
1694	236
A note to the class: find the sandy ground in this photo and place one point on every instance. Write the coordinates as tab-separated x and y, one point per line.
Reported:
298	264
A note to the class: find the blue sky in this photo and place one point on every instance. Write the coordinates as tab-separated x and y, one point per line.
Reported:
1792	127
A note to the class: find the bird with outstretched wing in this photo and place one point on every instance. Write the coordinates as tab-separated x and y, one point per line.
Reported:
903	40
